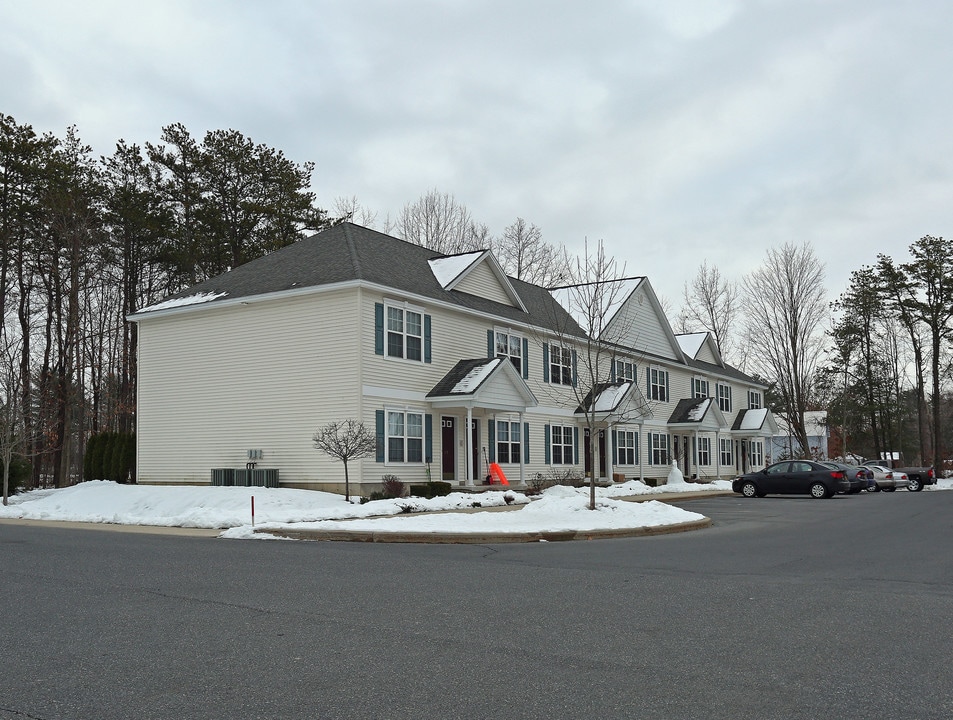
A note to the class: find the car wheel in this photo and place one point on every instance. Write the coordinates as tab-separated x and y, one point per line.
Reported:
915	485
819	490
749	489
875	488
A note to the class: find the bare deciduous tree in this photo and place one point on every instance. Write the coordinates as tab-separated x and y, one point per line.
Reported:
524	255
437	221
346	441
786	309
597	291
711	303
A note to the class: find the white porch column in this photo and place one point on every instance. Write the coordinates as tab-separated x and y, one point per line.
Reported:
641	454
694	456
609	456
469	448
718	454
522	453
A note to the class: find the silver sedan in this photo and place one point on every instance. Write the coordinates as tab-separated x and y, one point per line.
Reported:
887	479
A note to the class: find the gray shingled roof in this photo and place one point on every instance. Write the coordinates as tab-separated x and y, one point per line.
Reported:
348	252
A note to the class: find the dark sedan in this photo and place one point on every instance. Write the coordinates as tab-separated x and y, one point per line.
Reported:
860	478
797	477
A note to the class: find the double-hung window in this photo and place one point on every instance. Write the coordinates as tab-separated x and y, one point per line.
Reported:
700	388
658	384
724	397
625	441
623	370
507	441
754	400
405	436
756	454
560	365
404	333
659	447
510	346
725	450
704	451
561	445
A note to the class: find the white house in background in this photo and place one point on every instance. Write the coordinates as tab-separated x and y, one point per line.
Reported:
453	363
785	445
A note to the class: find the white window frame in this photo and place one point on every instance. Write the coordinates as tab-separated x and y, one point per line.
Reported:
659	450
507	344
703	451
623	370
509	436
626	442
700	387
725	452
565	446
723	392
658	384
404	433
403	329
754	400
560	365
756	453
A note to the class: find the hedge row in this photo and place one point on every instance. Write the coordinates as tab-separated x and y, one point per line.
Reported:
110	456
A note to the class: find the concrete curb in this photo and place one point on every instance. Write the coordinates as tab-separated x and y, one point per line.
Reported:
482	538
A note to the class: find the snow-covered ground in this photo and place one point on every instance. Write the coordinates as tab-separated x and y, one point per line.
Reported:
230	508
557	509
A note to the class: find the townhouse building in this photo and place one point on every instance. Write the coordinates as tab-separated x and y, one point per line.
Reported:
452	363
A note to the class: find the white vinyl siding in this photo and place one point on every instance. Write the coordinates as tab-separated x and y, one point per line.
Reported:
258	376
482	282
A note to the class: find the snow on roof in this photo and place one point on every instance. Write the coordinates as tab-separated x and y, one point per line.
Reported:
609	399
612	296
698	412
188	300
448	269
472	380
754	419
691	343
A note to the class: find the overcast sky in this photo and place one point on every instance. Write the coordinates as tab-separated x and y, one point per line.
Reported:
677	131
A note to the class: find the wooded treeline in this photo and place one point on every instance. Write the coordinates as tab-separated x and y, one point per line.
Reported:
85	241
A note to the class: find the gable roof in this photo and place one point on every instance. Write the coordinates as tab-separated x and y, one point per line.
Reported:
452	270
702	413
349	253
700	345
492	382
757	420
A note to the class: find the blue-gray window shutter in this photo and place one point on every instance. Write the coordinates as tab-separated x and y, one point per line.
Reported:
491	435
490	344
575	445
575	375
525	441
546	364
615	446
428	438
378	328
427	338
526	361
638	440
668	395
379	421
547	449
648	383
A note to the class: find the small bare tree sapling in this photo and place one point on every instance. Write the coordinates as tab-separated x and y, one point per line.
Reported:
345	441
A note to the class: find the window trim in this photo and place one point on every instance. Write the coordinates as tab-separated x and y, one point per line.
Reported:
752	405
563	352
511	336
658	383
703	451
701	387
726	453
514	447
633	449
568	435
726	405
659	452
404	308
405	437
